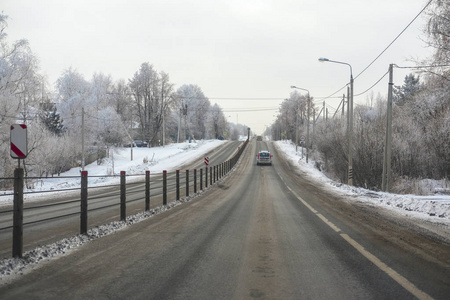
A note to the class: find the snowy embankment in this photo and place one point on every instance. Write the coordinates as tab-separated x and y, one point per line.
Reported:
154	160
435	208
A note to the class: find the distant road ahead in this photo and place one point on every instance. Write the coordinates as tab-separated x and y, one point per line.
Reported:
265	232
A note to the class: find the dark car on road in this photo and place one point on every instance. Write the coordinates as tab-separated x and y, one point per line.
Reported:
138	143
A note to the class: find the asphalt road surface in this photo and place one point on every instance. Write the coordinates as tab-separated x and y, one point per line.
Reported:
265	232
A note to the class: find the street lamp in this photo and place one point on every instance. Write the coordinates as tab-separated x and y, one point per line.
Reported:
350	121
308	99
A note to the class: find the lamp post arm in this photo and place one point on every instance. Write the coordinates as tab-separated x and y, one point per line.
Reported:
338	62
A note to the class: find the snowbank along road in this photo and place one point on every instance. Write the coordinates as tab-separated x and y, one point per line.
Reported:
264	232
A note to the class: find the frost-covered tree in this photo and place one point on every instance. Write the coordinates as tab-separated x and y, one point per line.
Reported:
48	153
292	114
51	118
166	102
122	101
438	30
100	91
72	96
408	90
153	95
111	130
21	90
197	108
236	130
368	134
216	123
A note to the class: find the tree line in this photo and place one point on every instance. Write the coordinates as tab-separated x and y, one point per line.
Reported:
112	113
421	123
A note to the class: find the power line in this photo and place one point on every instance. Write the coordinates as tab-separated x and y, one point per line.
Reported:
382	52
421	67
250	109
233	98
395	39
372	85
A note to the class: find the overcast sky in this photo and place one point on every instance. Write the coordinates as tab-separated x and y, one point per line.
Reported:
243	54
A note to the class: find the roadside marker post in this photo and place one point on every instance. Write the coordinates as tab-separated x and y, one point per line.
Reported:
18	139
19	150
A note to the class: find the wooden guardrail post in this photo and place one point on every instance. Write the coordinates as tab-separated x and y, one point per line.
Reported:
164	187
147	190
210	175
84	203
195	181
123	196
17	248
178	184
187	183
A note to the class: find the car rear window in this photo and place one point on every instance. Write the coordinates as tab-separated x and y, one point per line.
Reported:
264	154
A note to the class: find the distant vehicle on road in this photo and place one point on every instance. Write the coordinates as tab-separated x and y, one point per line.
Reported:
138	143
259	138
264	158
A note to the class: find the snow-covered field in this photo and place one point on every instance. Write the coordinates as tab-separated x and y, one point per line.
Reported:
434	208
154	160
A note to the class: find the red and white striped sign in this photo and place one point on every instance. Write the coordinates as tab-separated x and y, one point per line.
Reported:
18	138
206	160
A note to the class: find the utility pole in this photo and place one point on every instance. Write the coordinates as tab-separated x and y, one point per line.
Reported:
185	120
296	128
179	127
307	126
350	134
348	109
314	126
337	110
324	112
164	130
385	182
